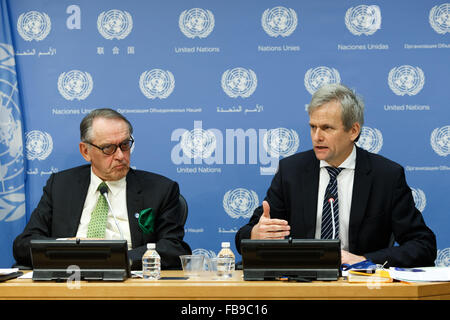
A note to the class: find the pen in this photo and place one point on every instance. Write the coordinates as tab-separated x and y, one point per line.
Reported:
410	270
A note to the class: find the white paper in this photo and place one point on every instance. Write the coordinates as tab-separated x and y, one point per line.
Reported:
27	275
425	274
136	274
8	270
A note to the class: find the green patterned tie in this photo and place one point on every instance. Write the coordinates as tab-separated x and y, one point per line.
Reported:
97	225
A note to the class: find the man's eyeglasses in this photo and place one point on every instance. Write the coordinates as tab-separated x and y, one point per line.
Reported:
110	149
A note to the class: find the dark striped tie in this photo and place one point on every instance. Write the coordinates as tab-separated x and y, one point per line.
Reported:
327	217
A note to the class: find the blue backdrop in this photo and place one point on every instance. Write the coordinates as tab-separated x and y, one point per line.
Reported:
216	91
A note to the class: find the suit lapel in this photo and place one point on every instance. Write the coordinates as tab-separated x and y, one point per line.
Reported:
78	192
134	206
311	187
361	190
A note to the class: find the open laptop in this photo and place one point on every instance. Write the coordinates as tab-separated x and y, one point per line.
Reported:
295	259
84	259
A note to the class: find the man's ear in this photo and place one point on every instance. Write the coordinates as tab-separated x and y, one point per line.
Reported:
84	150
355	131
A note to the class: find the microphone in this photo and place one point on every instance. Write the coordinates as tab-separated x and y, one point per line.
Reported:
331	201
104	191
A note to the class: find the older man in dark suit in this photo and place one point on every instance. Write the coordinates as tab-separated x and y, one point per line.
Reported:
68	207
338	190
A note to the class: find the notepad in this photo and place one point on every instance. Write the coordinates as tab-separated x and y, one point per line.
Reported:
378	276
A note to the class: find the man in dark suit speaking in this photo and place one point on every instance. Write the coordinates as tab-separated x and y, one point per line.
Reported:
72	206
338	190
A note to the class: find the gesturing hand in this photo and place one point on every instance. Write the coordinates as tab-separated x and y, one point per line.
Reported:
268	228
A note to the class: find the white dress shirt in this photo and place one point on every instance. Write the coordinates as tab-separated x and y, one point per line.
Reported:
117	197
345	190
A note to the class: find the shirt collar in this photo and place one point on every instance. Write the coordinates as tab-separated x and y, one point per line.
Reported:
348	163
113	186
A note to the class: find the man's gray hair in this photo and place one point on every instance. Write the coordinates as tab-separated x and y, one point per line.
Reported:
86	123
352	105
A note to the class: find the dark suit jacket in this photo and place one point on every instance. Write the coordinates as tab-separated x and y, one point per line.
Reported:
382	204
59	211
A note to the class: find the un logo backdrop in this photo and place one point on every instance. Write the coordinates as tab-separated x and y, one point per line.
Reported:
217	93
12	163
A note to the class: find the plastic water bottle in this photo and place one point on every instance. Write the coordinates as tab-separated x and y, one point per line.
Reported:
151	263
224	271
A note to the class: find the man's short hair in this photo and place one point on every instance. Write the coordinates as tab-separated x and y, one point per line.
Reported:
352	106
86	123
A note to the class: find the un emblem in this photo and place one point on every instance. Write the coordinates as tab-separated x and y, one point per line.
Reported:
370	139
204	252
239	82
240	202
406	80
363	19
34	25
281	142
443	258
114	24
156	83
38	145
75	84
198	143
12	194
440	141
439	18
317	77
279	21
419	199
196	22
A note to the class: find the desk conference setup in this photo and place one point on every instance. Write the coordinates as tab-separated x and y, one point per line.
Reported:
291	269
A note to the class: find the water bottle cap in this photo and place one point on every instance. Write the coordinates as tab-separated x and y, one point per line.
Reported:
151	246
225	244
